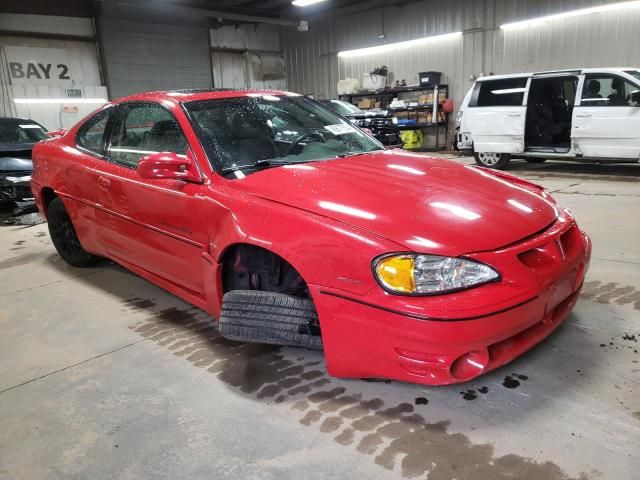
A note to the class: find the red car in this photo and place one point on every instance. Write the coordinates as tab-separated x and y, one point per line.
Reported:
292	226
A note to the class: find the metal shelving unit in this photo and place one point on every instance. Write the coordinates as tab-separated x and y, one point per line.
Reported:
386	96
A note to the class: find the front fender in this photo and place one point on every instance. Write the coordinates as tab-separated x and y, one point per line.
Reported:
324	251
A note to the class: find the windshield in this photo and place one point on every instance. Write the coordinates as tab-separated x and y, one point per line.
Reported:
343	108
16	131
256	131
634	73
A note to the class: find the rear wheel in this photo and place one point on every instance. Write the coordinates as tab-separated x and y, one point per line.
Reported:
64	236
498	161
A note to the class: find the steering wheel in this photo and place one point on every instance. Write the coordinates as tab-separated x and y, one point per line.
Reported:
295	143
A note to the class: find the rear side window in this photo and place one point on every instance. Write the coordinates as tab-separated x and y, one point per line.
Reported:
91	135
507	92
602	90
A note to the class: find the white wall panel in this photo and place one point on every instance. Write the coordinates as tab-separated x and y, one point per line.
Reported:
242	57
81	58
15	22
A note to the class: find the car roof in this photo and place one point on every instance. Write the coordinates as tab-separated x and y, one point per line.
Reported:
20	119
576	71
197	94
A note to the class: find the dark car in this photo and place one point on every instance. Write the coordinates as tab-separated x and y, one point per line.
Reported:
382	123
17	138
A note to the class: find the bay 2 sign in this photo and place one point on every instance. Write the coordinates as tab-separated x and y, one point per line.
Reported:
39	66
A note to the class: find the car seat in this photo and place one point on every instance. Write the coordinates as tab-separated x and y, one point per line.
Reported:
251	139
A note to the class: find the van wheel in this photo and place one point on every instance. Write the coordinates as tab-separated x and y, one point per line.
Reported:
536	160
498	161
64	236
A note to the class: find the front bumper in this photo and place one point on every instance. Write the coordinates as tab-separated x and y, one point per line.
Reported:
366	338
15	187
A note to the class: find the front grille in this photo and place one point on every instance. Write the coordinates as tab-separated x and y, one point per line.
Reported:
552	256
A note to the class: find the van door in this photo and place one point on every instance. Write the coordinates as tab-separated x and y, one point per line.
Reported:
496	115
606	121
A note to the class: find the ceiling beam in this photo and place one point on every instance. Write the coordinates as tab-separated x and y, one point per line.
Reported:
202	12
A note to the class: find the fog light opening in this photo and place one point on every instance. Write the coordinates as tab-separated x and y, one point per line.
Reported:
470	365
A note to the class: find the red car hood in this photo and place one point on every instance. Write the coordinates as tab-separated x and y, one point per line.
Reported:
426	204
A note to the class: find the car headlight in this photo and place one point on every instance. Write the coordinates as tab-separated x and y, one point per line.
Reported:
394	120
25	178
415	274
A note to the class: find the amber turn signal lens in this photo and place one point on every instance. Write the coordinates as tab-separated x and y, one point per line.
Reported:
396	273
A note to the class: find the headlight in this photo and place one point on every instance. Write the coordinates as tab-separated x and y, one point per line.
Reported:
394	120
26	178
414	274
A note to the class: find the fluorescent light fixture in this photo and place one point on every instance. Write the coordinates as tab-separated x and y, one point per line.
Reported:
573	13
58	100
305	3
396	46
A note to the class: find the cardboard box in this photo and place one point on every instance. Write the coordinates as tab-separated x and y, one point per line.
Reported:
365	103
426	99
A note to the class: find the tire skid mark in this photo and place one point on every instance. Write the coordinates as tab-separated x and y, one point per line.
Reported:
395	437
611	292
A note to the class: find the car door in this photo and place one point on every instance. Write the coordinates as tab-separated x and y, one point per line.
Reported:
81	178
606	120
155	224
496	115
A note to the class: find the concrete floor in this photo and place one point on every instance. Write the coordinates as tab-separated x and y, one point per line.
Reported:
103	375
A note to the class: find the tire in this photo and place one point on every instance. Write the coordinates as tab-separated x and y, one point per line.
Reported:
64	237
536	160
499	161
267	317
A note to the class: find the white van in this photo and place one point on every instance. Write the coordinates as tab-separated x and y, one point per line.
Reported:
590	114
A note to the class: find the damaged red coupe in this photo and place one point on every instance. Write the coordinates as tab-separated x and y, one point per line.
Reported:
294	227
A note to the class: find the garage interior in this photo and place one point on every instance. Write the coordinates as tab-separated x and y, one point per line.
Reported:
105	375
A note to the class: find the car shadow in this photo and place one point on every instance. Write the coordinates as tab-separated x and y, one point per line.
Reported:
613	172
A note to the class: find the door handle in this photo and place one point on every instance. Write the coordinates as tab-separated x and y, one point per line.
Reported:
584	115
104	182
515	114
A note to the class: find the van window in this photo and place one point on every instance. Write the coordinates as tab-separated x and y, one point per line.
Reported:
508	92
602	90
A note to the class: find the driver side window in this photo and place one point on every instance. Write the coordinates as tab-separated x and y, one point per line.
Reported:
142	129
602	90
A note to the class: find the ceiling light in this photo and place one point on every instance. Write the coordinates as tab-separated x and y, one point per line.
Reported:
395	46
58	100
573	13
305	3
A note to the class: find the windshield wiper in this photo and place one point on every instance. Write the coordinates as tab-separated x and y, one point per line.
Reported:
258	164
353	154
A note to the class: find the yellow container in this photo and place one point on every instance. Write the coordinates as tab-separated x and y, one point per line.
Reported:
412	139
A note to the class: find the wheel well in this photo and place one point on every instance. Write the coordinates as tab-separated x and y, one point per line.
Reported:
47	196
249	267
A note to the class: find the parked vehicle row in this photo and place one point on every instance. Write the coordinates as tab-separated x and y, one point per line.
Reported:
382	123
590	114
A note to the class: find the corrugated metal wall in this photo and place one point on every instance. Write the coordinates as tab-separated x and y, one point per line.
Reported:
605	39
140	56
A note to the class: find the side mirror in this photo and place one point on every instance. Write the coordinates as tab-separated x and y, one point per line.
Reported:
634	96
168	165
